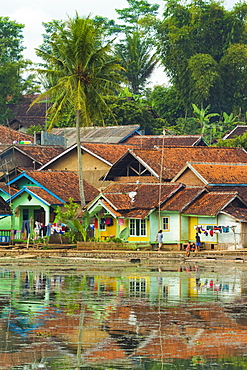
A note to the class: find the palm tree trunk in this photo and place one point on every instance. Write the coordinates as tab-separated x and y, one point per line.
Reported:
79	156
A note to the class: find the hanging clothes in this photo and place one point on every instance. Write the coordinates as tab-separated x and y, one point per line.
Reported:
26	227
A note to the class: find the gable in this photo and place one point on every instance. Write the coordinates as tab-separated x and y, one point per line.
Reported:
189	178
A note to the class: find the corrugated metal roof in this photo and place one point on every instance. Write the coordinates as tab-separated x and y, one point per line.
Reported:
107	134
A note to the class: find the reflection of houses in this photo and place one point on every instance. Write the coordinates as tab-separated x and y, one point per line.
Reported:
108	324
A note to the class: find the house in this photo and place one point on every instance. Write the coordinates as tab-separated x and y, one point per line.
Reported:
219	217
97	159
164	163
8	136
132	207
21	116
138	211
151	141
237	131
213	174
98	134
38	193
25	156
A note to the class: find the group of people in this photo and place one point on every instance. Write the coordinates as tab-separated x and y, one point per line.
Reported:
190	247
193	247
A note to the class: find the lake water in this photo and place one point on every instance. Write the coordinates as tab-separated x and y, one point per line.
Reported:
61	314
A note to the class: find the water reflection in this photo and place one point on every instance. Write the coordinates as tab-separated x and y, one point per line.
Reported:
123	317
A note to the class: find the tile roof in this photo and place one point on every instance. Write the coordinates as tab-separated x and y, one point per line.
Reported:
109	152
26	117
43	194
237	131
221	173
150	141
182	198
4	208
7	189
41	153
240	190
97	134
8	136
174	159
145	197
210	204
239	213
64	184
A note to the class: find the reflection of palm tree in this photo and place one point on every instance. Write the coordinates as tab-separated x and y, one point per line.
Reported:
84	74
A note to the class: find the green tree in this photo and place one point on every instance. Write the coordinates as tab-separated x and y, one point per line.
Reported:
197	44
165	101
85	73
137	59
11	63
128	111
135	13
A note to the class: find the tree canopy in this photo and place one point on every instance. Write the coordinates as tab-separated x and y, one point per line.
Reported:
199	43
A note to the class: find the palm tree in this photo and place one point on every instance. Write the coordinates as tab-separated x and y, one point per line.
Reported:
137	59
84	73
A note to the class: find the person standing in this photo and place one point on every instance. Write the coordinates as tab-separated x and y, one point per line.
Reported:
198	242
159	238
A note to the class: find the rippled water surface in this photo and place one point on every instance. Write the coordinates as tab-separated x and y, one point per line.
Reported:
64	314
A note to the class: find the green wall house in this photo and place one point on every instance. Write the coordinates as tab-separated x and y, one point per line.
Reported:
37	195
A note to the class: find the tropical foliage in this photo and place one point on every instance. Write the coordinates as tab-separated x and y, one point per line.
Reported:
83	71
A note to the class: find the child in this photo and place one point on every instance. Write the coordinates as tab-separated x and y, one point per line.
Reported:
188	249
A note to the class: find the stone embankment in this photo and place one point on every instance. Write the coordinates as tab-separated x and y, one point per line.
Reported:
147	257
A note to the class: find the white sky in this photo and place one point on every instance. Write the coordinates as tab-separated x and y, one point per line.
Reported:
32	13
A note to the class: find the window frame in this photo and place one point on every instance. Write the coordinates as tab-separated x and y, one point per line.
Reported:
166	223
138	227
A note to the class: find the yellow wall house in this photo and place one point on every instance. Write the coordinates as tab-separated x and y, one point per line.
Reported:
97	159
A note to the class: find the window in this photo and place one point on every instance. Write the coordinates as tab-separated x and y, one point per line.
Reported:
166	223
137	227
137	287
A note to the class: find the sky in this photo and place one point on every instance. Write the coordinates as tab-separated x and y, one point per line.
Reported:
32	13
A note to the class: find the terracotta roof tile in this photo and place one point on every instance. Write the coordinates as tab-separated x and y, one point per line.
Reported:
182	198
222	173
41	153
4	207
210	203
145	197
64	184
150	141
20	112
110	152
8	189
239	213
8	136
174	159
43	194
237	131
241	190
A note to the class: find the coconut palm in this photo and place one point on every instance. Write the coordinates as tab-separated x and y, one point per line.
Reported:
137	59
84	72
